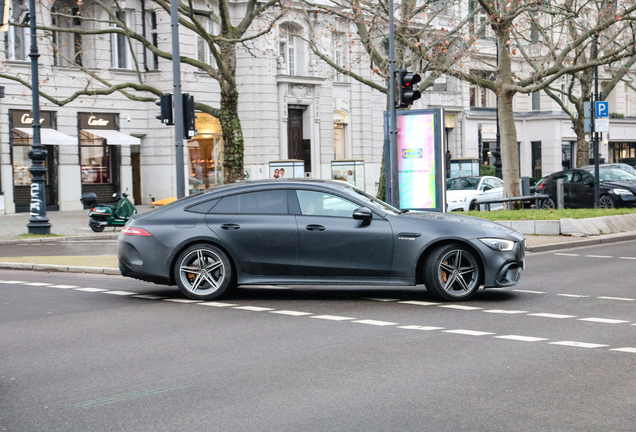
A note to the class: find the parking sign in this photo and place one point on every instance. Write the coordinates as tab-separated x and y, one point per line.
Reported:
602	109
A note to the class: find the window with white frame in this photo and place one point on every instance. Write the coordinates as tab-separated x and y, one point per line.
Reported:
340	55
17	37
153	36
288	49
121	56
204	53
536	101
628	108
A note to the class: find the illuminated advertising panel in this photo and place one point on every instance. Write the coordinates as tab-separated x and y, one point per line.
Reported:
420	167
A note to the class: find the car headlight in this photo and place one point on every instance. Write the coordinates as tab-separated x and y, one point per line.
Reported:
621	192
457	200
498	244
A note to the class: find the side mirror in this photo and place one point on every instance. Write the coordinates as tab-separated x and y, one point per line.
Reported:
363	214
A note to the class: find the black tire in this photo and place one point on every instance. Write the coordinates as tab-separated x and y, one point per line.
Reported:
549	204
452	272
203	272
95	225
473	206
606	201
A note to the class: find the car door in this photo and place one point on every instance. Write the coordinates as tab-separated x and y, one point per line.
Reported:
334	244
580	190
494	190
259	230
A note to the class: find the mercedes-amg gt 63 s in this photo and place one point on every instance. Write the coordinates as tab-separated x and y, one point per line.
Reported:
302	232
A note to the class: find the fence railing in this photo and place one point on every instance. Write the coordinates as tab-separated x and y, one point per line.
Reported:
538	201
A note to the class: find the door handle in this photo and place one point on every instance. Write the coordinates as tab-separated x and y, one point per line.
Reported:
315	228
230	226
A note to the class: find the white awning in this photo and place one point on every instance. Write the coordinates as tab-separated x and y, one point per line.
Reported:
50	136
114	137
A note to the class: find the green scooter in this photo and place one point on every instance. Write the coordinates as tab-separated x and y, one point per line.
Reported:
103	215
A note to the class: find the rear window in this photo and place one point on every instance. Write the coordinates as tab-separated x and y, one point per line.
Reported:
262	202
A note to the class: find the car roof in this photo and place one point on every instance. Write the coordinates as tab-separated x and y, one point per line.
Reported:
278	184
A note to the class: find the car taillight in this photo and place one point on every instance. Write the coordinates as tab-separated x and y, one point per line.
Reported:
93	209
132	231
541	186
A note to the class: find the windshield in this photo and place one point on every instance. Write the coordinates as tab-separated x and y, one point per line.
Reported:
371	201
613	174
462	183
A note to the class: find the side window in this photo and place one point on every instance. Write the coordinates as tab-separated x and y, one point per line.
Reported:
323	204
577	177
265	202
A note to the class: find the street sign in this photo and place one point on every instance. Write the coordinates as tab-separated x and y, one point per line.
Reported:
587	125
601	125
602	109
587	109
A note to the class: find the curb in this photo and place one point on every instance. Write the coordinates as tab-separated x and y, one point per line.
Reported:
62	239
611	238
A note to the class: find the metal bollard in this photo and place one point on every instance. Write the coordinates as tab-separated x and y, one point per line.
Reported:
559	187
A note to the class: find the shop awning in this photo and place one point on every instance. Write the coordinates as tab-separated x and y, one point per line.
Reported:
50	136
114	137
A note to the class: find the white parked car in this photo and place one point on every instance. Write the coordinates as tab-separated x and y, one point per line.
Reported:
462	193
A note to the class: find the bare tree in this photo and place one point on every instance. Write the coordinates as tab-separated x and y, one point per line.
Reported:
256	19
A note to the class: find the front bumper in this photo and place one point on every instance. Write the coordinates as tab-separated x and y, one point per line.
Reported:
503	269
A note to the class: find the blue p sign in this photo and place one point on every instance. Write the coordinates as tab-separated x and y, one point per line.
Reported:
602	109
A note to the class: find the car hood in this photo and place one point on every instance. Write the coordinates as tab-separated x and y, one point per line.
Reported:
455	194
626	184
464	221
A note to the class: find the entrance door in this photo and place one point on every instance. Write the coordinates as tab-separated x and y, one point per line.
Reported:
295	134
136	177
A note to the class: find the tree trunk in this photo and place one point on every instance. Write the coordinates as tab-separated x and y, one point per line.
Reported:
233	143
582	146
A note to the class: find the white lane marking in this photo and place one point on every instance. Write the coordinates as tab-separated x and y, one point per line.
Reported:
253	308
460	307
626	349
603	320
91	289
180	300
567	254
578	344
501	311
418	303
549	315
38	284
628	258
217	304
599	256
292	313
380	299
63	286
616	298
12	282
416	327
573	295
521	338
331	317
119	293
375	323
529	291
149	297
468	332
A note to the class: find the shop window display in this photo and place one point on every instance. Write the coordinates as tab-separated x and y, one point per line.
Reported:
96	162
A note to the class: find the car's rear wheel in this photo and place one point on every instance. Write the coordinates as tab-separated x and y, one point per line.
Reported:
549	204
452	272
203	272
606	201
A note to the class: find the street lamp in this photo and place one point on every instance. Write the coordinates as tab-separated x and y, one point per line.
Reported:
38	223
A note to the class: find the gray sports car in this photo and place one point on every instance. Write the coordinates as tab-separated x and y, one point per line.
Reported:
300	232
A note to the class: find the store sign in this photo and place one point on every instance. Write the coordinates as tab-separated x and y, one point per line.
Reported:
23	118
98	121
489	130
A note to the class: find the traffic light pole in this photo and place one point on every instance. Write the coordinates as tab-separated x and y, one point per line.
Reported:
392	176
178	101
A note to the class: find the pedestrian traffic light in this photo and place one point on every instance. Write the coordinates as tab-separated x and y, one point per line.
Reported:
165	102
189	127
406	88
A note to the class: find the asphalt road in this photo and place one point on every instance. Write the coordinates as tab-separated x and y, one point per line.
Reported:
104	353
62	248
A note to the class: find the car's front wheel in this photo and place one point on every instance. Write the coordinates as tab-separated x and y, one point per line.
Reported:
203	272
452	272
606	201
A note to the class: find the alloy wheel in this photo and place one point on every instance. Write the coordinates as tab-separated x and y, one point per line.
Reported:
202	272
458	272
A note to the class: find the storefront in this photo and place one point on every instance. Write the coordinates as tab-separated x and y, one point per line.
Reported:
21	141
101	155
205	152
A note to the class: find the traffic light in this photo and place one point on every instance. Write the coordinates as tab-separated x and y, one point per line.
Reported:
189	128
165	102
406	91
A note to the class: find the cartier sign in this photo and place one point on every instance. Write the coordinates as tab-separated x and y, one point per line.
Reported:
98	121
23	118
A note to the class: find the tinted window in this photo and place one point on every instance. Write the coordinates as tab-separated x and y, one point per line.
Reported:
228	204
323	204
264	202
